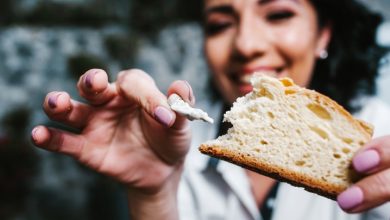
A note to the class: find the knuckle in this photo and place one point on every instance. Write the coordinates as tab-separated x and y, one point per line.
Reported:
382	180
127	78
57	141
149	102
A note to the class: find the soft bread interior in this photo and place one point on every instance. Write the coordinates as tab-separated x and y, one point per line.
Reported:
294	132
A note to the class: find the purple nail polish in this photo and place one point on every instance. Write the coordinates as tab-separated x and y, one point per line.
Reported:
52	102
88	79
350	198
366	160
163	115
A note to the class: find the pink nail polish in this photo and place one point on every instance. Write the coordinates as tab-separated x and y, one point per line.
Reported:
163	115
350	198
366	160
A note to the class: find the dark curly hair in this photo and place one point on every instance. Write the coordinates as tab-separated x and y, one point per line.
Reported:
354	57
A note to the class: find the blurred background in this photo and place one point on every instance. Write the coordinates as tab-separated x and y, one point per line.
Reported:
46	45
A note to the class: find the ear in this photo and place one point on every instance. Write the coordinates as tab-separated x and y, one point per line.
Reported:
324	37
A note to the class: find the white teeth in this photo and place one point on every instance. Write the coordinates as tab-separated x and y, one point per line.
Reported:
246	78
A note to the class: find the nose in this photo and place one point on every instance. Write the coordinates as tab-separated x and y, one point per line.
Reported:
251	37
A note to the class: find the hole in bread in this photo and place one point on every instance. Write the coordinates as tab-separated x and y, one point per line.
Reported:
263	142
361	143
337	156
340	167
257	150
265	93
289	92
319	111
286	82
320	132
300	163
293	107
271	115
339	176
252	109
346	150
347	140
306	155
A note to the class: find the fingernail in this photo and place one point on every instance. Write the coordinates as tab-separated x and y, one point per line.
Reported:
366	160
163	115
88	79
52	102
350	198
33	133
191	93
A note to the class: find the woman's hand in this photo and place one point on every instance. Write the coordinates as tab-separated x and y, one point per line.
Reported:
127	131
373	190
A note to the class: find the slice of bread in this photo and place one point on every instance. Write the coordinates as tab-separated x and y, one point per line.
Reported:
292	134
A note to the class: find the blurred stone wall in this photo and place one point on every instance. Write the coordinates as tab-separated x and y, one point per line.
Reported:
46	45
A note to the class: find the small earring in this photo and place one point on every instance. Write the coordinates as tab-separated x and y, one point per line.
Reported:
323	54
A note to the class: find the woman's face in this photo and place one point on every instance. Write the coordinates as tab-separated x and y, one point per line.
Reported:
279	37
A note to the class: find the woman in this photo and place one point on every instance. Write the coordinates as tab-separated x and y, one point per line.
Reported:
127	130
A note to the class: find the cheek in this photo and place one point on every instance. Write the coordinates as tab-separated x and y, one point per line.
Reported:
298	49
217	53
298	43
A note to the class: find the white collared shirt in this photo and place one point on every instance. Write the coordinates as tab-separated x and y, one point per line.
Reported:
224	193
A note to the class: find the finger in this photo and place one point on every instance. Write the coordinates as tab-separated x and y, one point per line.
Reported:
138	87
93	85
61	108
58	141
369	192
374	157
184	90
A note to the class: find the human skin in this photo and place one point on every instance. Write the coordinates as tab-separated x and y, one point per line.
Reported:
282	38
128	132
278	37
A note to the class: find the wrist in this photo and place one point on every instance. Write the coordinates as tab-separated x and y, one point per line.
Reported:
158	204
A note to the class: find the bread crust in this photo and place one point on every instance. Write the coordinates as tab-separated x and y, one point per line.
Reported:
310	184
313	184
